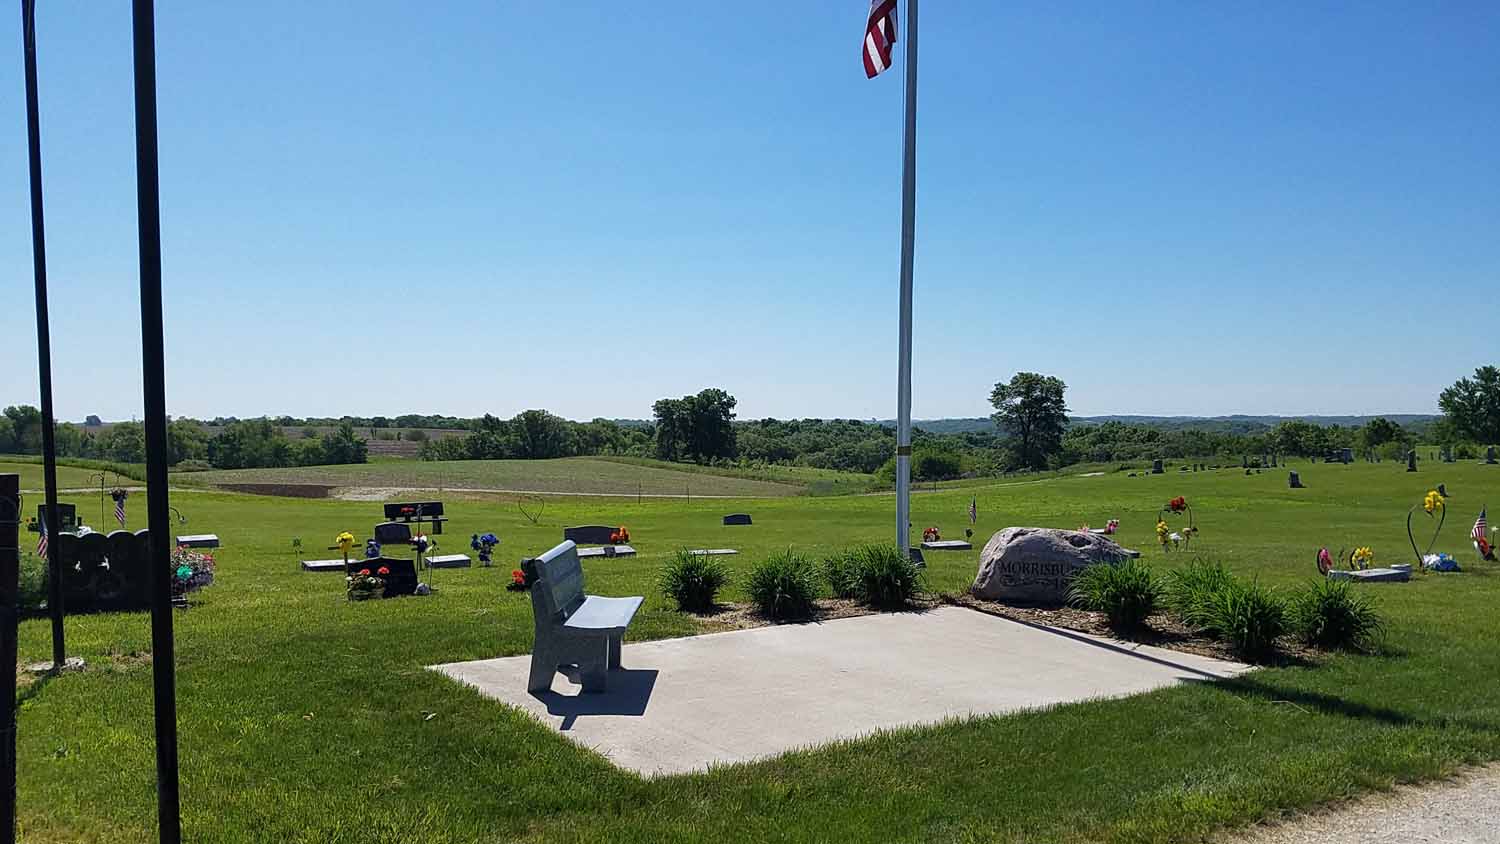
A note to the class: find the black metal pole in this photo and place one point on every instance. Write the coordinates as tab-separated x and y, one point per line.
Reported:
43	331
153	365
10	585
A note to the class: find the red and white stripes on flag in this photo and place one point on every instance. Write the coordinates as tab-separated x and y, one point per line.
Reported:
880	37
1481	530
41	541
120	510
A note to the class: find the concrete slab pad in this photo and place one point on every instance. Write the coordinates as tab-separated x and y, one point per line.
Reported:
683	705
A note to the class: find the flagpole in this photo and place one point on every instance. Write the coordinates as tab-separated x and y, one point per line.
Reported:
43	333
153	376
908	242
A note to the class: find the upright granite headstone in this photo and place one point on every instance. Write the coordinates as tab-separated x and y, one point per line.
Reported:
1411	460
1037	565
1156	468
1489	455
1294	480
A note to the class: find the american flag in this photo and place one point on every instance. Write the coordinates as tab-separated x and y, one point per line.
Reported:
973	510
120	510
880	37
41	541
1481	530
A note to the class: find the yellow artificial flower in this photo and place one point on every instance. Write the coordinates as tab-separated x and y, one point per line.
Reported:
1433	501
345	541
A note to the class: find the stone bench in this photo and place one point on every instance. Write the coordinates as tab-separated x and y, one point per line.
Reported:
574	629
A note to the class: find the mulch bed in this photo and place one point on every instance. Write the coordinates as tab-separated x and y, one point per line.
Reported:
1161	630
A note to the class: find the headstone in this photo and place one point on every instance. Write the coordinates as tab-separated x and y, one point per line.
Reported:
590	534
947	545
1294	480
67	516
1156	468
448	561
1411	460
737	519
1037	565
1244	462
1489	455
607	551
198	540
1381	575
392	533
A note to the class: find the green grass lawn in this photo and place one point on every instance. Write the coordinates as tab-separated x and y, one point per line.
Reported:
578	475
304	717
68	477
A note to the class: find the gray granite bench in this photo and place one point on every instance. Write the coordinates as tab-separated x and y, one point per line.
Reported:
573	628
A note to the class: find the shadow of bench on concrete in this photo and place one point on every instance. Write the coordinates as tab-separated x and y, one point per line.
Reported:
629	693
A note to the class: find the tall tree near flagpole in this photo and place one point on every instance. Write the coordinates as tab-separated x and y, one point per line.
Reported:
43	330
880	37
153	376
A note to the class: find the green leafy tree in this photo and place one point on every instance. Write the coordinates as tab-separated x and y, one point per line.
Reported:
26	428
8	443
124	442
250	444
186	440
1031	408
539	435
1471	405
698	428
344	445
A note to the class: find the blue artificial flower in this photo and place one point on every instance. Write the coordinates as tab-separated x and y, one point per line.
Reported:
372	549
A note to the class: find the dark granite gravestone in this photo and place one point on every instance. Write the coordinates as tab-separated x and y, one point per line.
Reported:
1294	480
104	572
590	534
1411	460
67	516
417	511
1489	455
1156	468
393	533
737	519
402	579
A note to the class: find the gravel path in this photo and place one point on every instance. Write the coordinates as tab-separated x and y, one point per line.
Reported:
1462	811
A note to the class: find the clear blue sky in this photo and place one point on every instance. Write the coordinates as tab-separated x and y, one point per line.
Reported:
1201	208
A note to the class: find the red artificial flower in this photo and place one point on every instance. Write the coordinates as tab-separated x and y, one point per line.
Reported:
1177	505
518	577
383	570
364	572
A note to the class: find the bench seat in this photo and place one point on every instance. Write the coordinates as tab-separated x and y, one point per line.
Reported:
596	613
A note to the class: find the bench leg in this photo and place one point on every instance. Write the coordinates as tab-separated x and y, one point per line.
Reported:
543	668
614	651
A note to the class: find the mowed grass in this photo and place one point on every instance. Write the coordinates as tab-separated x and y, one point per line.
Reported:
574	475
68	477
304	718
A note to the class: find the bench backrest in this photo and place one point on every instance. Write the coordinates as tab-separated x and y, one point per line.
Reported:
559	582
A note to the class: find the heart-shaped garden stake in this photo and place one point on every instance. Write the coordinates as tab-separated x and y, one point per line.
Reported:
1433	504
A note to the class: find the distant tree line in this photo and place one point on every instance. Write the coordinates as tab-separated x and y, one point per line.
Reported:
240	444
1031	431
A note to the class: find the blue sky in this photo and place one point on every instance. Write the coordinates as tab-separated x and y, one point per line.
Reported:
1197	208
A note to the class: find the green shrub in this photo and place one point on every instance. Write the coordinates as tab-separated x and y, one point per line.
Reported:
1190	592
841	569
1330	614
784	585
885	577
1248	616
693	581
1126	592
33	582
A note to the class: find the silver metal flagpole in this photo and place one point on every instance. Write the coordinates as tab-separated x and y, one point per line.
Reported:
908	238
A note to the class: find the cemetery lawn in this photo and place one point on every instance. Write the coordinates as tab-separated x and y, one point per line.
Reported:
305	718
572	475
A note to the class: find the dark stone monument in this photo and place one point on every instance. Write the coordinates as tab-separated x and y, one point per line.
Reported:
1411	460
1489	455
1156	468
66	513
590	534
737	519
1244	462
393	533
1294	480
104	572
